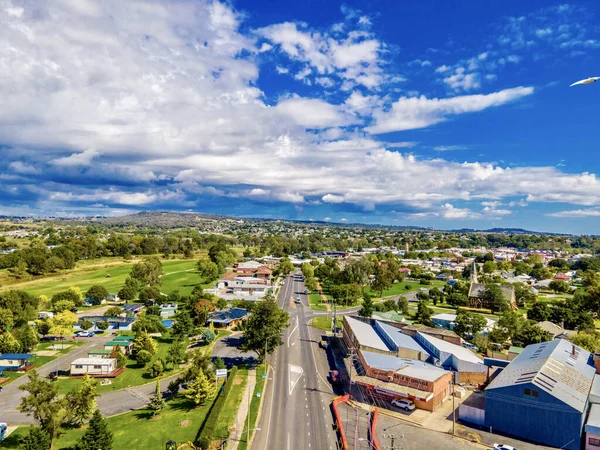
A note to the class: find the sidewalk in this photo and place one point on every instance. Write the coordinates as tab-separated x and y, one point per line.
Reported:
241	419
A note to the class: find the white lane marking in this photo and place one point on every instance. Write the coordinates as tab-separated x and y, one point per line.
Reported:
292	332
270	409
288	442
295	373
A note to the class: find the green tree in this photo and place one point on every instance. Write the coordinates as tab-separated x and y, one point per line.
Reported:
219	363
367	306
183	326
200	389
148	272
403	305
468	324
285	266
27	337
97	293
176	353
86	325
62	305
35	439
6	319
308	270
424	314
44	404
127	293
208	270
157	403
8	343
156	369
587	340
524	293
97	436
209	335
81	401
113	311
530	333
143	341
117	354
539	312
264	327
489	267
494	296
62	323
44	326
559	286
70	295
103	326
383	279
143	357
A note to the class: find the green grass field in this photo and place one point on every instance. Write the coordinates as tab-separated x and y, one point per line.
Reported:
179	422
179	274
229	411
324	323
400	288
315	301
254	404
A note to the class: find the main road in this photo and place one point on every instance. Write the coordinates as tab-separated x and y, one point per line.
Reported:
296	412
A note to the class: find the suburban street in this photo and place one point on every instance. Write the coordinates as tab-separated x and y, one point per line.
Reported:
296	411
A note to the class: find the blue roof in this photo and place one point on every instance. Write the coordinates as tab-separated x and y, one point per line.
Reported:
228	316
16	356
133	306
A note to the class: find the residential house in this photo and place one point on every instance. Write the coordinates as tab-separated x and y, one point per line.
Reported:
229	318
93	366
99	353
15	361
168	310
125	346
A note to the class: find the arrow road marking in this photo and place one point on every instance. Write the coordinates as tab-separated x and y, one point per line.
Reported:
295	375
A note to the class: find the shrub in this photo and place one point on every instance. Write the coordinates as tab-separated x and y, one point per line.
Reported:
143	357
156	369
207	433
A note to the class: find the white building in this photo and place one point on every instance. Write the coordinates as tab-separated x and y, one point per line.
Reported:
93	366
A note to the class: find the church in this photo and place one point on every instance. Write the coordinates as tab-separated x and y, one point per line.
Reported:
477	292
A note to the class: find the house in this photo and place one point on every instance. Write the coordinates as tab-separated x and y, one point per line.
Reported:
112	297
542	395
562	277
88	301
114	322
15	361
167	311
125	346
405	270
99	353
477	293
93	366
43	315
556	331
389	316
229	318
592	428
443	277
133	308
445	320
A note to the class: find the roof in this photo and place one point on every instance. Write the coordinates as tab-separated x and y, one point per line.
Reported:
592	425
15	356
390	316
94	361
557	367
115	343
390	387
595	391
515	349
452	317
477	290
405	366
475	400
123	338
228	315
133	306
365	334
425	329
550	327
400	339
459	352
99	351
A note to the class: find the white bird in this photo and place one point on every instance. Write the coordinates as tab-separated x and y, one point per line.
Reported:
586	81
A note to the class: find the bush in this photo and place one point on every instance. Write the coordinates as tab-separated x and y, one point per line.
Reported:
207	433
143	357
156	369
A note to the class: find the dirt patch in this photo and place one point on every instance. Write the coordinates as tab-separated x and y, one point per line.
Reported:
238	380
46	352
185	423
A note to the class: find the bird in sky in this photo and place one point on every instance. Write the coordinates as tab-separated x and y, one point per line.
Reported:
586	81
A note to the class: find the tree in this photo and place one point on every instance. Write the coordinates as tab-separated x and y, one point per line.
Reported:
35	439
457	299
103	326
62	323
200	389
221	304
530	333
264	327
143	341
71	295
307	270
203	308
86	325
389	305
524	293
157	403
208	270
559	286
62	305
44	404
149	294
183	326
367	306
6	319
8	343
468	324
117	354
383	279
587	340
148	271
489	267
424	314
97	293
27	337
43	327
285	266
81	401
156	369
143	357
149	323
97	436
403	305
539	312
127	293
209	335
176	353
494	296
219	363
113	311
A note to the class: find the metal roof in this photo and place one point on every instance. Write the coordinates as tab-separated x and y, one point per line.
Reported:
16	356
595	391
592	425
399	338
558	367
94	361
457	351
228	315
405	366
365	334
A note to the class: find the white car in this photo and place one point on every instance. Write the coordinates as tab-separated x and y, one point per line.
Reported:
504	447
82	334
406	405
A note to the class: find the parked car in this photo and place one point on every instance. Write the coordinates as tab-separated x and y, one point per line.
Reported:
334	376
504	447
469	346
52	338
406	405
82	334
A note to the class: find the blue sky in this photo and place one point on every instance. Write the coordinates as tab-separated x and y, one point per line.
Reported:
443	114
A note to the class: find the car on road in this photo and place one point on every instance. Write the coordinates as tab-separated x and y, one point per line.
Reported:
85	334
504	447
306	291
297	300
406	405
334	377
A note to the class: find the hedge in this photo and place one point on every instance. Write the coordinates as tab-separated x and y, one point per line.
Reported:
207	431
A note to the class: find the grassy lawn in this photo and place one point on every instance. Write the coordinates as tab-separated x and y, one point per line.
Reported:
315	301
400	288
254	404
85	277
230	408
179	422
324	323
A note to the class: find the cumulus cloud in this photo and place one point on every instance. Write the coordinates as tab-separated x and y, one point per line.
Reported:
574	213
312	113
77	159
409	113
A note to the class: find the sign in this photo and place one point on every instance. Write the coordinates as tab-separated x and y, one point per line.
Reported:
221	373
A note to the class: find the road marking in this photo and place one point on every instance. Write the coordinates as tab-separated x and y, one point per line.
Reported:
292	332
288	442
270	409
295	373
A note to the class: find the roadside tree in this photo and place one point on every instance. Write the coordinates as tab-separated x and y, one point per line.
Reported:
157	403
97	436
264	327
97	293
200	389
81	401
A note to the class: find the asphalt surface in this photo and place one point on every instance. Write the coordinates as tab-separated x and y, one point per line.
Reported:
227	349
296	410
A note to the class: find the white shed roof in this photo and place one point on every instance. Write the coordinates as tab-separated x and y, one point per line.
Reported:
94	361
366	334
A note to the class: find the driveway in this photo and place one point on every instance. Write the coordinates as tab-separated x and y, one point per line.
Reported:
227	348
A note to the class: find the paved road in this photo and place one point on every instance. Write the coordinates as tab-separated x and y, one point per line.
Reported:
296	412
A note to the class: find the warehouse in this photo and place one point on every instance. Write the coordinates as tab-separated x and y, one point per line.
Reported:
402	345
543	394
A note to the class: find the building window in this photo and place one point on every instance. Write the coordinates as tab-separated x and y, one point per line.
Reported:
594	442
97	367
531	393
79	366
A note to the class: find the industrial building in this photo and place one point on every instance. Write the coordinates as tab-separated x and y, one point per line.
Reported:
543	395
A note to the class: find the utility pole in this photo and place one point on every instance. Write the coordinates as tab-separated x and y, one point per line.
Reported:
453	409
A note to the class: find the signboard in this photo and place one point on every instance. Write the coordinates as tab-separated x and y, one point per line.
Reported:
221	373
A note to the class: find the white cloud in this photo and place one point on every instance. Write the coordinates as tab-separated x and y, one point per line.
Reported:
448	211
409	144
281	70
409	113
575	213
331	198
462	81
312	112
77	159
22	168
449	148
